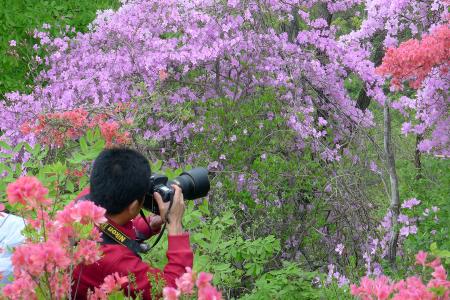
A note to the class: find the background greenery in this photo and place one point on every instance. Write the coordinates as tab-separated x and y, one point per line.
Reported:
18	19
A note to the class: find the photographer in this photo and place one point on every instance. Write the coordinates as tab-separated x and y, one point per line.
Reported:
119	182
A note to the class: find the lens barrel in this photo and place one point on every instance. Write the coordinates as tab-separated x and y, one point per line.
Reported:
194	183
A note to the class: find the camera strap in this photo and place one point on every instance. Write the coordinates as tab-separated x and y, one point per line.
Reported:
160	233
113	235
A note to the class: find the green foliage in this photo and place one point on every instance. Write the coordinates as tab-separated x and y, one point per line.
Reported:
220	250
288	282
18	19
433	190
444	254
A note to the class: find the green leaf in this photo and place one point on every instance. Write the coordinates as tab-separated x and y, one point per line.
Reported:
156	166
4	145
83	145
28	148
18	147
203	207
70	186
433	247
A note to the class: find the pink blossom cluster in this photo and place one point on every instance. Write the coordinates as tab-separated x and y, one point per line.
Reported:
59	127
414	59
55	243
186	287
412	288
113	282
29	192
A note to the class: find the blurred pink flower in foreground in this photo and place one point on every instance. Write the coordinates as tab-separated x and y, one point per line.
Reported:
411	288
185	287
27	191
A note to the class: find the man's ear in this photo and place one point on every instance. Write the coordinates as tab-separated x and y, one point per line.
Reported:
134	207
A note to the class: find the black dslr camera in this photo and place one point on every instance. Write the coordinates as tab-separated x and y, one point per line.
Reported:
194	184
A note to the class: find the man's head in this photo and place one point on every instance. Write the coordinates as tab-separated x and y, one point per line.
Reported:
119	177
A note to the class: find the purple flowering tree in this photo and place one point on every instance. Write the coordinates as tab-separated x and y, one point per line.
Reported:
165	58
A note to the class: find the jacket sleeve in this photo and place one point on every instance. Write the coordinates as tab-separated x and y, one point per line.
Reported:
180	256
140	224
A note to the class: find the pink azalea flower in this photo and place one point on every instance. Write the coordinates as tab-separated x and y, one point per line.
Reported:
27	191
203	279
421	258
37	258
412	289
379	287
185	283
169	293
86	211
209	293
439	273
162	74
82	212
88	252
113	282
435	263
21	288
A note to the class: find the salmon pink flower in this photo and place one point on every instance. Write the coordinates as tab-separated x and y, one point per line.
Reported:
27	191
421	258
203	279
21	288
439	273
379	287
435	263
413	289
209	293
88	252
114	282
169	293
37	258
162	75
85	212
185	283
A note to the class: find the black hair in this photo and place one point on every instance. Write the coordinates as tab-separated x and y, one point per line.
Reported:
119	176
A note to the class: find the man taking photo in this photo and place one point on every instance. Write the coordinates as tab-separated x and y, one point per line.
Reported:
119	181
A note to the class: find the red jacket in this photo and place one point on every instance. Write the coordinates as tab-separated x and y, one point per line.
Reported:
118	258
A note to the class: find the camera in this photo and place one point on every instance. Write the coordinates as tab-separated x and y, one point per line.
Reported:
194	184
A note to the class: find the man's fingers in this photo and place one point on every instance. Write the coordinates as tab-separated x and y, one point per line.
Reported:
158	199
177	197
156	220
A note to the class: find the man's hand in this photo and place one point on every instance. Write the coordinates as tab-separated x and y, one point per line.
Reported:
175	215
155	223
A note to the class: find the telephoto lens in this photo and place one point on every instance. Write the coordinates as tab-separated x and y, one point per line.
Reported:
194	184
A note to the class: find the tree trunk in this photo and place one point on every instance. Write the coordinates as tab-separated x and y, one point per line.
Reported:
395	201
417	156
